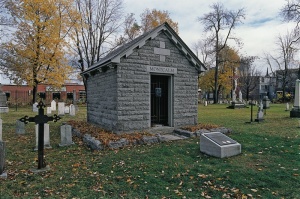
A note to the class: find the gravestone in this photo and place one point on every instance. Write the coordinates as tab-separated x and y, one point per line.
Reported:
2	160
72	110
46	137
53	105
0	130
67	109
295	112
74	97
34	107
49	110
20	127
40	120
260	113
219	145
66	135
61	108
3	101
287	107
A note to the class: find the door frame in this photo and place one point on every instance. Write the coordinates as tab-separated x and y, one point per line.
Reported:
170	97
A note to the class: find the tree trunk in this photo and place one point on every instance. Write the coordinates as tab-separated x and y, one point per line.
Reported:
34	94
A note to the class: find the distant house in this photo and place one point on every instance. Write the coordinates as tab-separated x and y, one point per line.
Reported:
150	81
22	94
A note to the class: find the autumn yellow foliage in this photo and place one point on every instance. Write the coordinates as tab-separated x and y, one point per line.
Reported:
37	52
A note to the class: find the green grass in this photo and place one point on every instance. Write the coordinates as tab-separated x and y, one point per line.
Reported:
268	166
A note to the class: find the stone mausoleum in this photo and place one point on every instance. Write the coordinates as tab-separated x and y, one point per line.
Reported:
150	81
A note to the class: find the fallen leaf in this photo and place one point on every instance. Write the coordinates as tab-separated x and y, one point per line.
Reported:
254	190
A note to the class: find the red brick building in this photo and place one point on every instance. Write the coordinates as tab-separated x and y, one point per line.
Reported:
22	94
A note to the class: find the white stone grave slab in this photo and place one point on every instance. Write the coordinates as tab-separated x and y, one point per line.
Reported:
219	145
53	105
20	127
67	109
46	137
72	110
34	107
61	108
66	135
49	110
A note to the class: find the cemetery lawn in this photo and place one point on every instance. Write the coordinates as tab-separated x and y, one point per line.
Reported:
269	166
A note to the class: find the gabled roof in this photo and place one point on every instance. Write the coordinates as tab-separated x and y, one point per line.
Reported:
127	49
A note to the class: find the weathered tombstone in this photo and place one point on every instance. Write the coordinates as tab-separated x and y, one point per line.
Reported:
205	103
0	130
219	145
61	108
287	107
295	112
46	137
20	127
40	119
49	110
74	97
2	160
240	96
66	135
67	109
34	107
72	110
53	105
3	101
260	113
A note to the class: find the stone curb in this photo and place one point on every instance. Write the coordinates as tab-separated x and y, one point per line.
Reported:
95	144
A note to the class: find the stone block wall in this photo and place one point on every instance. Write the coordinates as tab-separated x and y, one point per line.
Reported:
102	99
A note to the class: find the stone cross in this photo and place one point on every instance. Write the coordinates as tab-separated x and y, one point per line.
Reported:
40	119
162	51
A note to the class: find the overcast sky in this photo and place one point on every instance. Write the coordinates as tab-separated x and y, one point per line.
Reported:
258	32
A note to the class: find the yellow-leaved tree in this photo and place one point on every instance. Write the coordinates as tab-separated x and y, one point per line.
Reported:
229	62
37	52
154	18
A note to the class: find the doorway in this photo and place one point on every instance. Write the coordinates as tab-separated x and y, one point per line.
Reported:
160	100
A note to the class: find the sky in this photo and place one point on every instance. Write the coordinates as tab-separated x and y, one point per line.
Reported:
258	32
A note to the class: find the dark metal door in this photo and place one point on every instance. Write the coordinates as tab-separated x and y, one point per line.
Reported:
159	99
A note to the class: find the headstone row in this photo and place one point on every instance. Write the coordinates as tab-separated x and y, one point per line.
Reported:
61	108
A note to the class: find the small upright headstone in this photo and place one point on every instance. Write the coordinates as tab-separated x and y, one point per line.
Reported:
74	97
49	110
53	105
205	103
34	107
61	108
3	101
66	135
72	110
46	136
20	127
260	113
2	160
0	130
67	109
287	107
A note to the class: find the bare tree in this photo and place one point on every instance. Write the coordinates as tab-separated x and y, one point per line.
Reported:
284	61
99	21
204	52
248	76
220	22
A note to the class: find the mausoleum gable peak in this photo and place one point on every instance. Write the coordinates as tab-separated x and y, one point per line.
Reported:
128	48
